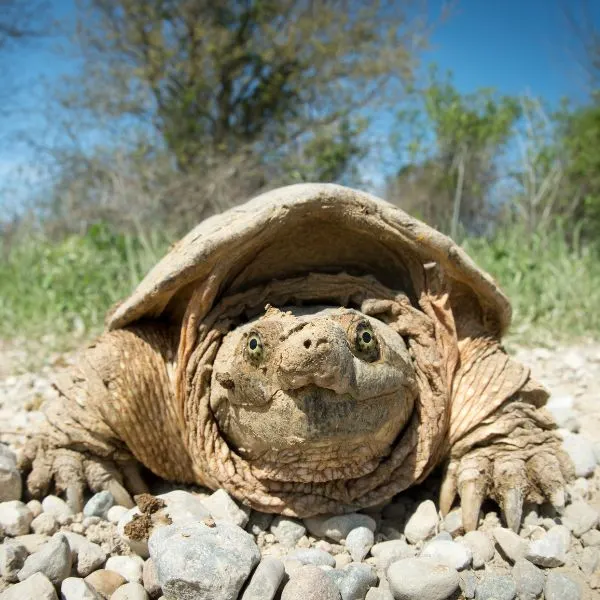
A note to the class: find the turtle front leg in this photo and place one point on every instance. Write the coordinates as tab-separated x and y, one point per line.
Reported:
115	409
513	456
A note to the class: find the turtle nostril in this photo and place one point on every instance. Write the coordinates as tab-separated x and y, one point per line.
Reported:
307	344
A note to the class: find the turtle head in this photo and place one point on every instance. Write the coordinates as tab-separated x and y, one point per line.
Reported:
313	393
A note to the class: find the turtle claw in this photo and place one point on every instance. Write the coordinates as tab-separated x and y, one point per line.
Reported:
472	496
512	507
448	489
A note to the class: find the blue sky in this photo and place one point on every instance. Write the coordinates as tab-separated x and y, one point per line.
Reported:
516	46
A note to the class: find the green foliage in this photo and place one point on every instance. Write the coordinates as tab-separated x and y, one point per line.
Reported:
554	286
57	287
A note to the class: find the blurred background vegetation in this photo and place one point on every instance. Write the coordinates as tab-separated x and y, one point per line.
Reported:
176	109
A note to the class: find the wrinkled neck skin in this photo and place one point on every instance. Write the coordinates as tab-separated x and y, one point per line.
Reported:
313	394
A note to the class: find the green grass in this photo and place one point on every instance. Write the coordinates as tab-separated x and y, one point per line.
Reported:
48	290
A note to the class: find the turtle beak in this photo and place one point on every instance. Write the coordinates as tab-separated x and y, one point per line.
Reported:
317	354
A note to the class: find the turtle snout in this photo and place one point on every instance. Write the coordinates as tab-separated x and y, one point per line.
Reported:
313	356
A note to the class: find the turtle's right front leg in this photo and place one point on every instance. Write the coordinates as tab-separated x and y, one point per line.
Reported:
115	408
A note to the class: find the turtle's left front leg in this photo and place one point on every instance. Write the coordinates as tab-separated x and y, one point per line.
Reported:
511	455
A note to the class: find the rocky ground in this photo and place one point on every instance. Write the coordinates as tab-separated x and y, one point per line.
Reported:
203	545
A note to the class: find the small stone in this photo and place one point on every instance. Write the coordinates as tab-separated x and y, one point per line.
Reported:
15	518
115	513
310	583
468	584
561	587
452	522
528	579
313	556
99	504
379	594
87	556
496	587
562	409
579	489
481	547
130	591
423	523
202	561
32	541
551	550
580	517
37	586
388	552
418	578
359	541
7	457
222	506
448	553
442	536
259	522
74	588
58	508
287	531
12	559
342	560
11	486
581	452
105	582
356	581
265	580
338	527
53	561
35	506
44	524
588	560
591	538
150	579
130	567
511	545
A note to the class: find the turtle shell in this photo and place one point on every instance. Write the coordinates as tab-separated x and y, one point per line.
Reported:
309	228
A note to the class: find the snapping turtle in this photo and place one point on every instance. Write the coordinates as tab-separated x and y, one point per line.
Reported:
315	350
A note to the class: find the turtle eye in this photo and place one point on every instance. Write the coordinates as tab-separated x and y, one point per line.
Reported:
254	346
366	342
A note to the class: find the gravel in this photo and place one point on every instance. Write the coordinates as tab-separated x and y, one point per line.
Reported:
99	505
359	542
337	528
481	546
423	523
53	560
496	587
15	517
418	578
561	587
287	531
265	580
310	583
448	553
38	586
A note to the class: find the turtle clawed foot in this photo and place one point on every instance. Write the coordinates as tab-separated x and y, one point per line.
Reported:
508	478
72	473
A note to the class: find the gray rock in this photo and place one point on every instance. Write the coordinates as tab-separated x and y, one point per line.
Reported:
386	553
130	591
423	523
265	580
150	579
561	587
512	546
550	550
222	506
37	586
418	578
12	559
313	556
448	553
32	541
259	522
7	457
452	522
53	561
44	524
581	452
588	560
591	538
202	562
356	581
130	567
11	486
338	527
359	541
580	517
58	508
496	587
74	588
115	513
481	546
468	584
528	579
87	556
310	583
15	518
287	531
99	505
